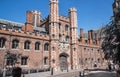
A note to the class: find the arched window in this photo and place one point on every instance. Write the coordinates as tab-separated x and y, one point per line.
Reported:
45	60
27	45
24	60
2	42
37	46
66	27
15	44
46	46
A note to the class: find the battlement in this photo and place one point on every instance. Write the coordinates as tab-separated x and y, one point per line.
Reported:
24	34
11	22
72	9
53	1
36	12
64	18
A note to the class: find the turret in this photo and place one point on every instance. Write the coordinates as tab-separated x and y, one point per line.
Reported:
54	34
54	19
36	18
73	24
96	38
74	37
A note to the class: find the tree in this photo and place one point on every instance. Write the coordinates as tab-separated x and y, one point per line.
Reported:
111	41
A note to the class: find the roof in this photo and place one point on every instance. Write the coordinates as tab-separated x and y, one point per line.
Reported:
41	29
3	21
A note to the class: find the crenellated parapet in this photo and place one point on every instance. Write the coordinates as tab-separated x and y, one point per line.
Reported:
64	18
23	34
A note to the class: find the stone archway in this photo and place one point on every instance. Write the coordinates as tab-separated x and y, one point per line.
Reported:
63	62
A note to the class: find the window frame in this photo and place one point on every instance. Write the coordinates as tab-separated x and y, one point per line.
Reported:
27	45
37	46
46	47
24	61
15	44
2	42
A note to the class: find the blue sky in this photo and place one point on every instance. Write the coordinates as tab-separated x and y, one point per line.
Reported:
92	14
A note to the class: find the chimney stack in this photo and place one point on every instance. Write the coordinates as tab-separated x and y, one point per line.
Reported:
82	39
29	20
89	37
96	38
91	31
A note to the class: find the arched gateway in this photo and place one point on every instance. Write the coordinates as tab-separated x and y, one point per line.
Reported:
63	61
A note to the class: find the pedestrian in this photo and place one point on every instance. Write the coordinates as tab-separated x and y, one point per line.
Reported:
52	71
109	66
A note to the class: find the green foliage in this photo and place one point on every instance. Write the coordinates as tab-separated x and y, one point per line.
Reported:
111	41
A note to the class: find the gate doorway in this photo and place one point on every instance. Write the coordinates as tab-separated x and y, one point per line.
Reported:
63	62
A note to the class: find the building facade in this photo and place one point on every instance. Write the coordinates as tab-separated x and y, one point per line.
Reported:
50	42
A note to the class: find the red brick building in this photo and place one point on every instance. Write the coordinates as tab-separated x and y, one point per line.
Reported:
50	42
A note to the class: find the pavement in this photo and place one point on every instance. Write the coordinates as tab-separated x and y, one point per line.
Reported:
73	73
101	74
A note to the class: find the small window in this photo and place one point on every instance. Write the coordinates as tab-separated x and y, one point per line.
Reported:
37	46
59	26
46	46
98	50
85	60
2	42
53	35
84	48
45	60
98	60
27	45
60	37
74	49
24	60
66	28
53	60
67	38
86	41
15	44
